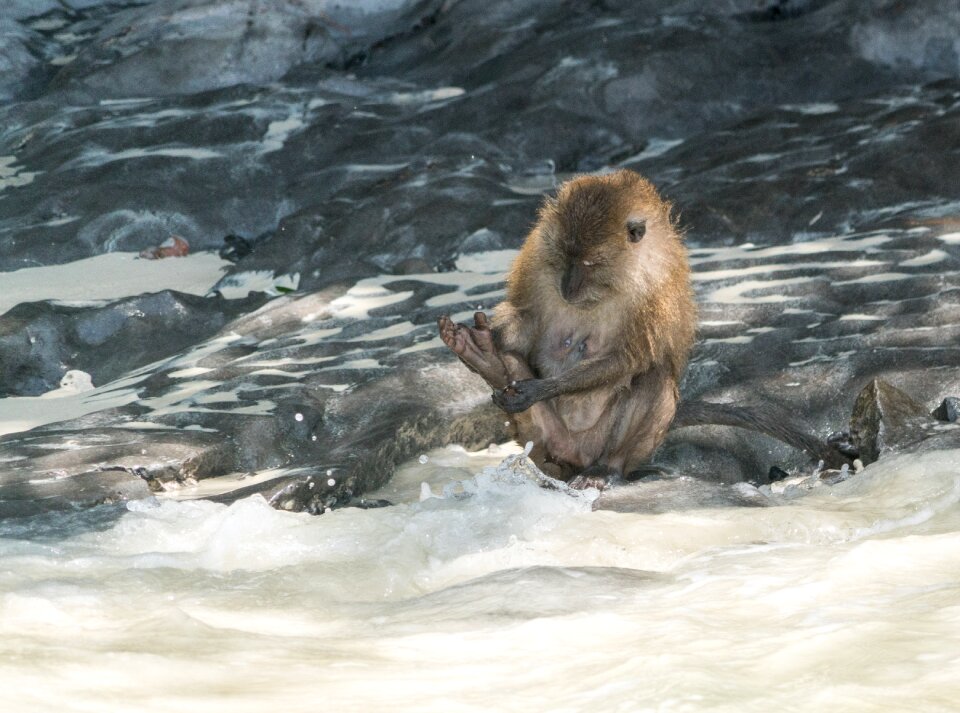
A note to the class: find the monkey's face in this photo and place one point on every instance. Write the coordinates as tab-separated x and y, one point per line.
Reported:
605	236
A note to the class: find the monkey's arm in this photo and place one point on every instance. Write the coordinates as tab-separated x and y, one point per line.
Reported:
588	374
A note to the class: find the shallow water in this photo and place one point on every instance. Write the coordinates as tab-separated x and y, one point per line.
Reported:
499	596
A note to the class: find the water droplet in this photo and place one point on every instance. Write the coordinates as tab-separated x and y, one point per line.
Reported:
313	437
329	471
331	482
298	416
425	492
423	459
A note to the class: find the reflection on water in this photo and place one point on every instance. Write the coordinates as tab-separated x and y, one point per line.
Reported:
500	596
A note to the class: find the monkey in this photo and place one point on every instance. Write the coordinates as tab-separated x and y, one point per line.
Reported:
586	352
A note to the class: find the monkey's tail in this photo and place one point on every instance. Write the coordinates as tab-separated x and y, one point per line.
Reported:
761	418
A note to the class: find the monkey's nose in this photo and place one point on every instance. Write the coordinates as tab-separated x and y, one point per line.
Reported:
572	282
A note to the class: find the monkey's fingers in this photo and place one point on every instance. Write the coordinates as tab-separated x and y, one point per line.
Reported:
449	333
582	482
480	320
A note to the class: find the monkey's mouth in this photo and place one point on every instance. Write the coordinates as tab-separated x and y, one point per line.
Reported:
582	299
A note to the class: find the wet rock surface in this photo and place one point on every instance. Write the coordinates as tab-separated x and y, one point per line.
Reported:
383	158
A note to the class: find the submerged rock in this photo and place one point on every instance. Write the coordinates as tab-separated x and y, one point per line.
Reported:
948	410
885	418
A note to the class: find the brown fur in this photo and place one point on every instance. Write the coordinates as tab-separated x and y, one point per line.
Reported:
595	330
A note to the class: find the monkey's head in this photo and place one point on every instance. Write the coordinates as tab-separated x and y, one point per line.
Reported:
605	235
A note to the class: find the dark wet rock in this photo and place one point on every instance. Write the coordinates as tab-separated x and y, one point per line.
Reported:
776	473
190	46
379	149
41	341
75	464
907	34
885	418
17	61
948	410
235	248
816	169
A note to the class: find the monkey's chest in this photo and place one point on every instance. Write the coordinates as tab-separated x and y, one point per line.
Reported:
559	351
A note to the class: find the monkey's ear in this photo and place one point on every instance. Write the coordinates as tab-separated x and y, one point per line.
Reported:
636	229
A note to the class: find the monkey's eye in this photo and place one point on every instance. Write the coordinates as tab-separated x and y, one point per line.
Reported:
636	229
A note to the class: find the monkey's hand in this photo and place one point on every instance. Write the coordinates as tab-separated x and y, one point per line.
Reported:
519	395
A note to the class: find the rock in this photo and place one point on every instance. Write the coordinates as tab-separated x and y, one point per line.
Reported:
104	465
776	474
948	410
898	34
235	248
17	61
389	154
190	46
41	341
885	418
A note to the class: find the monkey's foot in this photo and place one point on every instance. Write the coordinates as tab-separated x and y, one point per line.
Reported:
596	476
844	442
475	347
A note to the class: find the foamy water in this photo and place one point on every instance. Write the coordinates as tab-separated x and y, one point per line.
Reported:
499	595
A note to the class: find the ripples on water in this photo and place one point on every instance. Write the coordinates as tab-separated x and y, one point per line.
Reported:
503	597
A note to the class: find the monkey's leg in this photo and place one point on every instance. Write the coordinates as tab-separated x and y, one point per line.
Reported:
555	448
477	350
646	417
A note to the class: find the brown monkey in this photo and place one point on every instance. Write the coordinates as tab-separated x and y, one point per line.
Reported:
598	322
587	350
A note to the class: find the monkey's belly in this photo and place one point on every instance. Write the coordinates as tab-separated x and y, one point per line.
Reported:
581	412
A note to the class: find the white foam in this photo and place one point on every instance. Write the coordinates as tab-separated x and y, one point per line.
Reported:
278	132
109	277
241	284
365	296
857	317
21	413
813	109
13	176
489	262
745	292
655	147
740	272
930	258
101	158
878	277
464	596
426	96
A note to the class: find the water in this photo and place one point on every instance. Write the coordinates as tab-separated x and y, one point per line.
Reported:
500	596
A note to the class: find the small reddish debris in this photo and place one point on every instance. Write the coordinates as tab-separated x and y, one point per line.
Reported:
174	246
